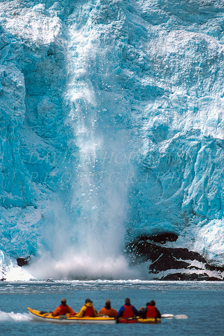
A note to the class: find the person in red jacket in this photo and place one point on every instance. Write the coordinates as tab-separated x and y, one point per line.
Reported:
107	310
87	310
150	311
63	309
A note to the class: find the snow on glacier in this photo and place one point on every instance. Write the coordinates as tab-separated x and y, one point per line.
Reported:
111	128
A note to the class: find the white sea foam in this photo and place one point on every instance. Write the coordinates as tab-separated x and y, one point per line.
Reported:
16	317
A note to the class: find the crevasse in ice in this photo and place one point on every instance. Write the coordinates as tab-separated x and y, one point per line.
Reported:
111	125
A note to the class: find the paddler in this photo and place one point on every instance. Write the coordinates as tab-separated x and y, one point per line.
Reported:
63	309
107	310
150	311
87	310
127	312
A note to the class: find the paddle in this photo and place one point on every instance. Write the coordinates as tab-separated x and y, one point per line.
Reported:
170	316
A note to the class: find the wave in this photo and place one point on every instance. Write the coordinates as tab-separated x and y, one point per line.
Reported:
14	317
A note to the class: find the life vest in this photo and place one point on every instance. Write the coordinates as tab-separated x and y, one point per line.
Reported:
64	310
89	311
128	312
151	311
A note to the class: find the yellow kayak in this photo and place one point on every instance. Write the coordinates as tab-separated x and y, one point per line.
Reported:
149	320
47	317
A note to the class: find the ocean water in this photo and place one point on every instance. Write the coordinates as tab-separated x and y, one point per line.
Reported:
202	302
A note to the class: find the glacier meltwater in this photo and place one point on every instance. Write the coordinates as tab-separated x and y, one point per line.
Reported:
111	139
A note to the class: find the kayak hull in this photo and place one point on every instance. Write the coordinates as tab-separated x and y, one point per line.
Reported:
127	320
63	319
151	320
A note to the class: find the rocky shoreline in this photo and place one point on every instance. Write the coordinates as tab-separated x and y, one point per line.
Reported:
168	263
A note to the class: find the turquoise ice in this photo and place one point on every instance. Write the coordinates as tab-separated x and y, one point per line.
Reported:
111	126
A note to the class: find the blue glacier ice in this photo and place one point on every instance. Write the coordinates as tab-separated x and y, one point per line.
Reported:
111	128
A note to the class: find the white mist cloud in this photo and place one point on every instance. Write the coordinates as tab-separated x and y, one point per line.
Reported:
83	266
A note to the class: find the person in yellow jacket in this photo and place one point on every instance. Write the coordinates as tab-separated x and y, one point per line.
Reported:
87	310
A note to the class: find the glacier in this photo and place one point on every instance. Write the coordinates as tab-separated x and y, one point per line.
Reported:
112	130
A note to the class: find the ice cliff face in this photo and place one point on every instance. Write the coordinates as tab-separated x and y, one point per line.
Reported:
111	127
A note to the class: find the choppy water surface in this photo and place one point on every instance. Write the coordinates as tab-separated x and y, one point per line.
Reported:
203	302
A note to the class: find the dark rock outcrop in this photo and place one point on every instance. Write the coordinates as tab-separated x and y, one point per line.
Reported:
162	238
162	258
23	261
189	277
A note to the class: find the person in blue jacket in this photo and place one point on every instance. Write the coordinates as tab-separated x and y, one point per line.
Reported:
127	310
